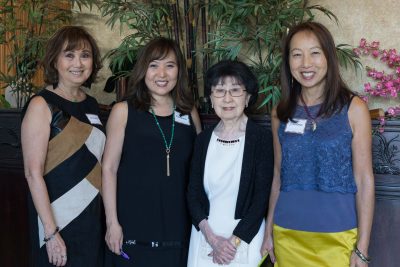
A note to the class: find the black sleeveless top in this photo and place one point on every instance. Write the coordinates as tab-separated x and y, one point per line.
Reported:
152	205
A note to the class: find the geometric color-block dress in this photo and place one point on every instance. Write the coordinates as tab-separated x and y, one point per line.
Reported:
315	220
72	174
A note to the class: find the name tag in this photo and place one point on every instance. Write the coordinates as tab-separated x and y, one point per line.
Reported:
94	119
297	126
180	118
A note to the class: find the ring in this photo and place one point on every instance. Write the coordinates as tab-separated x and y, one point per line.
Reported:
63	256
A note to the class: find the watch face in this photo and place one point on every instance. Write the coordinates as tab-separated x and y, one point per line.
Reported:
237	241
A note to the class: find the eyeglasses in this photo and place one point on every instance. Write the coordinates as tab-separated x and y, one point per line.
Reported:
234	92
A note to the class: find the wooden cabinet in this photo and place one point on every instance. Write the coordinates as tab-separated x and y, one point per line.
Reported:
14	241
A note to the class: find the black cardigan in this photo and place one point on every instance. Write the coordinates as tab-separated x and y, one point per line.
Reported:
255	181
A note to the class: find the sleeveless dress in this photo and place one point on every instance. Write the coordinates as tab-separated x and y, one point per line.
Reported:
151	206
315	219
72	174
221	183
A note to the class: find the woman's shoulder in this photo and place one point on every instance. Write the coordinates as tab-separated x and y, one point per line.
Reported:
120	109
358	110
357	104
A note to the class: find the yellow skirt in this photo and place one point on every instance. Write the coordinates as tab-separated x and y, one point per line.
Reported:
311	249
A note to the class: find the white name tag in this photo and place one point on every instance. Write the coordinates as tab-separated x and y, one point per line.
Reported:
94	119
297	126
184	119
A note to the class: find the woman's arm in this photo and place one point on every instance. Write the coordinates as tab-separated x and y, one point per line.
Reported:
196	120
362	168
35	132
268	245
198	211
249	225
112	154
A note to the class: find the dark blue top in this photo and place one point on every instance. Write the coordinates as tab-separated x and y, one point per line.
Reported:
320	159
317	182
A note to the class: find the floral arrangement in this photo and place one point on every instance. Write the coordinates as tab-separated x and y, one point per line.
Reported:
386	84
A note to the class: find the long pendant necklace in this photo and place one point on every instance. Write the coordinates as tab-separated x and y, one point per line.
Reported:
167	146
313	119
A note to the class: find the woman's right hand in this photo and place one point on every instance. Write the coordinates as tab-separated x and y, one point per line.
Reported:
56	250
268	247
114	237
223	250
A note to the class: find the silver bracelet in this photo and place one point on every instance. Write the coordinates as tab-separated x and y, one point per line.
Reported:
50	237
362	256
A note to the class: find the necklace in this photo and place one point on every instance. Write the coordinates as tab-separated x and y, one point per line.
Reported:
313	119
228	142
167	146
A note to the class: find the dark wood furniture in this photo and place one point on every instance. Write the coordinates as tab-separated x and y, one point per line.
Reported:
14	241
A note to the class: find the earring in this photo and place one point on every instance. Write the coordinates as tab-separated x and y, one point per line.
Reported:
292	83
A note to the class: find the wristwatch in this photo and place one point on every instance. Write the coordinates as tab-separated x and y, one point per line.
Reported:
237	241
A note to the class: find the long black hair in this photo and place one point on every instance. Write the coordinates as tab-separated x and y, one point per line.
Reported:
138	94
336	93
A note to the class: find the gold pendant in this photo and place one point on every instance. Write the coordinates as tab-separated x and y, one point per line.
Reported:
168	172
314	126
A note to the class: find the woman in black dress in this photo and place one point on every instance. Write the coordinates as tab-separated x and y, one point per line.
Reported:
62	144
146	162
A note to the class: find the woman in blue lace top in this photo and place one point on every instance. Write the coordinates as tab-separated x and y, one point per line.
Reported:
322	197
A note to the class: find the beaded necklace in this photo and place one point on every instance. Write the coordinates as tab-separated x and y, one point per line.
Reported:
228	142
167	146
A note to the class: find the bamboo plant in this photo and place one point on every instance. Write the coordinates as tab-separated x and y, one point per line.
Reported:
25	26
253	31
211	30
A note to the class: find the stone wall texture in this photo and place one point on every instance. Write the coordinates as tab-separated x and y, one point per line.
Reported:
370	19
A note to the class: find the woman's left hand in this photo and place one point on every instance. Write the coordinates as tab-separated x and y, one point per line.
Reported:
223	250
355	261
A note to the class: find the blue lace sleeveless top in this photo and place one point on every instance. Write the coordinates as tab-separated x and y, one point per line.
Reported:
320	159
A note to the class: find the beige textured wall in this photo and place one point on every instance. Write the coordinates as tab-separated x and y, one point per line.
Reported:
372	19
107	39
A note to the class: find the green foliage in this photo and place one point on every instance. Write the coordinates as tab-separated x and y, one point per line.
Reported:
347	57
145	20
252	31
3	102
25	39
249	30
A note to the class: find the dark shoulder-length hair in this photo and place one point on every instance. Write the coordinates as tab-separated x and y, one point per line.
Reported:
336	93
236	69
69	38
139	95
